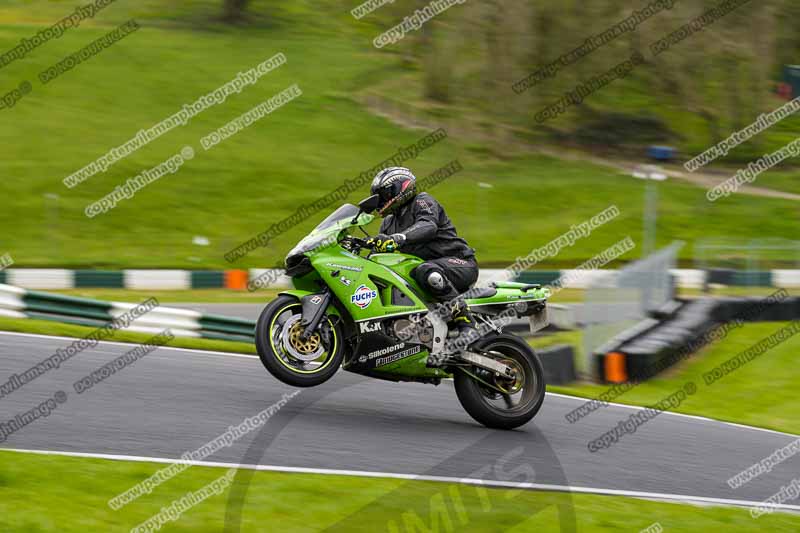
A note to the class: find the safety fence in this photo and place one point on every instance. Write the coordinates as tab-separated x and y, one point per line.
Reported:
16	302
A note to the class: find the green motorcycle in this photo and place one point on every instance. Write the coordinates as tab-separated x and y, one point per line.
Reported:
366	314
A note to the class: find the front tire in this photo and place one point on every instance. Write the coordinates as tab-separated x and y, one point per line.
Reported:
286	356
523	396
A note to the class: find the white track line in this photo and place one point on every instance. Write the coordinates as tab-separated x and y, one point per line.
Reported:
681	498
577	398
115	343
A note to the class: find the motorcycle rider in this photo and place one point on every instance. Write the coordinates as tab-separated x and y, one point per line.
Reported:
416	224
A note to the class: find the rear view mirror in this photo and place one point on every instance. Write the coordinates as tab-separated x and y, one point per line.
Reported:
370	204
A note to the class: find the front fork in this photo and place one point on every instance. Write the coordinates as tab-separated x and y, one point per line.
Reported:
314	306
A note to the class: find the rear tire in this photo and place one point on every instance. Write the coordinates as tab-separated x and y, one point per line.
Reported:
272	342
481	402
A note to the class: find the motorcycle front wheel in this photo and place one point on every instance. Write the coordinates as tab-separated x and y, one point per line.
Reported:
290	358
502	402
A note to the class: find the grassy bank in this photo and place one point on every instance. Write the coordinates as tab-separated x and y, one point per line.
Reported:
296	155
31	501
206	296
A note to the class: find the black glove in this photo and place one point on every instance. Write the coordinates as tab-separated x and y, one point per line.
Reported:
386	243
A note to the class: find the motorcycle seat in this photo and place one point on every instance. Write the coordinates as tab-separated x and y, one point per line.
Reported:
480	292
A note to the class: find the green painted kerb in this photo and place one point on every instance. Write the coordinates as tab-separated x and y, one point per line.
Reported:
100	278
208	279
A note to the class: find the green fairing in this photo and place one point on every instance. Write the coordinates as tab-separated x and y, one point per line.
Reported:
413	366
364	285
509	295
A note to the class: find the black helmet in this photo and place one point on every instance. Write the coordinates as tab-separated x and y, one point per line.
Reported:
395	186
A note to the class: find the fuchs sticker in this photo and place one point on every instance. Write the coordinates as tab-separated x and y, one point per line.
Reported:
363	296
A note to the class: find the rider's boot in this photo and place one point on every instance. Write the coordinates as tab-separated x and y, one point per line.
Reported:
462	319
463	332
462	322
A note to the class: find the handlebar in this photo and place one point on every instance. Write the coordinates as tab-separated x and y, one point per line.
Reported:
358	244
362	243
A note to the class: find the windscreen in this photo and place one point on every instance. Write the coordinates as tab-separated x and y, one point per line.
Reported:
347	211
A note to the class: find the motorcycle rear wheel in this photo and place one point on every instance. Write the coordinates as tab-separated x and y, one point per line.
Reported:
502	403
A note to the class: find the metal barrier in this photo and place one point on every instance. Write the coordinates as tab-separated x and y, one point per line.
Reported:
615	303
21	303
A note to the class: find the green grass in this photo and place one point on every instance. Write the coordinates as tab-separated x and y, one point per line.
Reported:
504	125
262	296
737	291
47	327
295	155
571	338
762	393
31	502
781	180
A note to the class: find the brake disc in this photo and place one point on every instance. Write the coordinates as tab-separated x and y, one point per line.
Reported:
303	350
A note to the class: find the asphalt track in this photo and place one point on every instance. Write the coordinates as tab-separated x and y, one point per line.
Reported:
173	401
